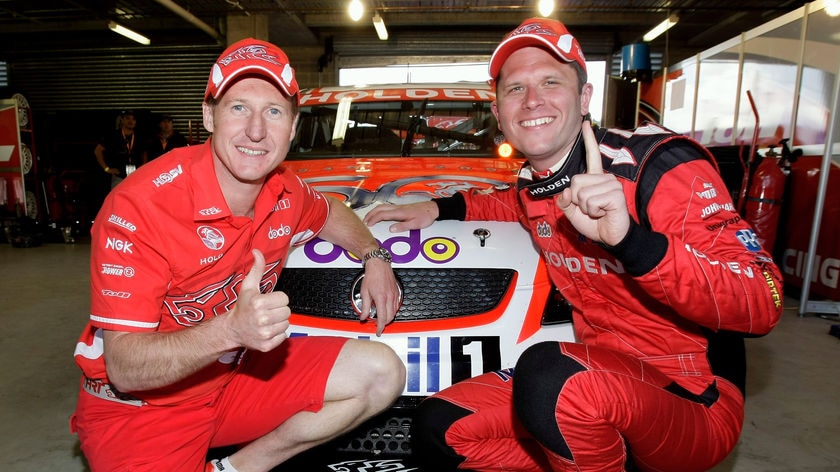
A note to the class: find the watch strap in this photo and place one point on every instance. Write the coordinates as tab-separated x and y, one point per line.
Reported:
378	253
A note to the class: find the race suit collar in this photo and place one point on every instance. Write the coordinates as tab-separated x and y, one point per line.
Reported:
574	163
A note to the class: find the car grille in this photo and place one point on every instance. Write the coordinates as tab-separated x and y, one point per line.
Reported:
428	294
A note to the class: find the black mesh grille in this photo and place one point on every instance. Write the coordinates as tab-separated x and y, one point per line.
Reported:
427	293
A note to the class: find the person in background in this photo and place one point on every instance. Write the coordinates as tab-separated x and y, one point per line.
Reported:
640	235
119	152
186	348
166	139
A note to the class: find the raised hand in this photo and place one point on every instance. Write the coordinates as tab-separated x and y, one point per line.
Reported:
259	320
593	154
594	202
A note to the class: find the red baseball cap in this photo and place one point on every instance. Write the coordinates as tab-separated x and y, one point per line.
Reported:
251	56
540	32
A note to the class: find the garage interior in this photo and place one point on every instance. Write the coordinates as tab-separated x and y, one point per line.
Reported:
76	75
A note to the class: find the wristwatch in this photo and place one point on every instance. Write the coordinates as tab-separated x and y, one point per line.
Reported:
379	253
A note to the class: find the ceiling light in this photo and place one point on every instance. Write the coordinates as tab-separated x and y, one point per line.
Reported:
380	27
832	7
132	35
661	28
545	7
356	9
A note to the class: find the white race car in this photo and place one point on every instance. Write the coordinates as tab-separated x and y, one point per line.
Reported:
476	293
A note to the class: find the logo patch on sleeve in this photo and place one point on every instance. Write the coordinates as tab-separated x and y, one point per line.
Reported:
749	239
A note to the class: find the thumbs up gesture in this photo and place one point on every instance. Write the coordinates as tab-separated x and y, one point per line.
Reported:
259	320
594	202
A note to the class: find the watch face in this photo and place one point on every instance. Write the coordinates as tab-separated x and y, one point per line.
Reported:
383	253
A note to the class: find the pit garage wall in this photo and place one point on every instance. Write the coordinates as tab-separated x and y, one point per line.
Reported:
790	67
75	97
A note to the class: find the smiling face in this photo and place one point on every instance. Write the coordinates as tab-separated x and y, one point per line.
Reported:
539	105
252	124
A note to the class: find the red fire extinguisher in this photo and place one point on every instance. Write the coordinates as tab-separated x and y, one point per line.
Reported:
764	199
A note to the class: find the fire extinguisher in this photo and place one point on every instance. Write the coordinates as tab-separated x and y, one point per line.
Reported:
764	199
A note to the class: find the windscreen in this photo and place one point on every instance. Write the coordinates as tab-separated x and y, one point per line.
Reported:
395	128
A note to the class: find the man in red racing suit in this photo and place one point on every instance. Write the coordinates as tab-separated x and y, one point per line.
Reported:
655	380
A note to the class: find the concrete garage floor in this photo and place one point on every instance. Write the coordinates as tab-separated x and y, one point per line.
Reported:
793	404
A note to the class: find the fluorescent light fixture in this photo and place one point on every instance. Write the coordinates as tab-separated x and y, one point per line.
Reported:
545	7
661	28
379	25
355	10
132	35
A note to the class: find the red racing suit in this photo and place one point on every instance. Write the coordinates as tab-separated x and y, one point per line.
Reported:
647	311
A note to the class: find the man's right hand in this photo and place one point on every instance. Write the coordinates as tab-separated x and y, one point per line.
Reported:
259	320
139	361
411	216
594	202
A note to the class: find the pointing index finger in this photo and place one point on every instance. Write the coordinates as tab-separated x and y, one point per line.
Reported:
593	154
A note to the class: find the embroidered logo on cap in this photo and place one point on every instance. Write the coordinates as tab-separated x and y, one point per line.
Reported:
249	53
533	28
564	41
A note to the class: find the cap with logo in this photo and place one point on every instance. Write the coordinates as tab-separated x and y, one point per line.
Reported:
540	32
251	57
